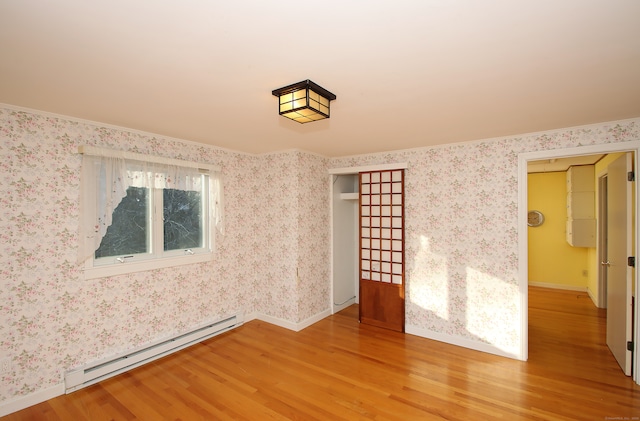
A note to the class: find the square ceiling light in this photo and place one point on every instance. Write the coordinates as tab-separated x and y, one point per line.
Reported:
304	101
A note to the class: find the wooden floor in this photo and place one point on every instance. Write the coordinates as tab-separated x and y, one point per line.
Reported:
338	369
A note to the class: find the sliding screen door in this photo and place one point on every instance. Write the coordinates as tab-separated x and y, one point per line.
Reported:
382	249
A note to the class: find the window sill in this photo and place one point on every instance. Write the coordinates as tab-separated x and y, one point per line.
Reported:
93	272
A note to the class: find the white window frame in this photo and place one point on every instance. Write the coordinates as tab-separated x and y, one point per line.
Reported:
103	267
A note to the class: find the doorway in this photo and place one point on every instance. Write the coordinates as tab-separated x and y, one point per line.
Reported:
344	214
524	159
345	230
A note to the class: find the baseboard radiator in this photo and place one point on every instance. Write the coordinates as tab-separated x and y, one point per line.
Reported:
101	370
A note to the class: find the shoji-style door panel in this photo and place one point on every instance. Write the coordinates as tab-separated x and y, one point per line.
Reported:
382	249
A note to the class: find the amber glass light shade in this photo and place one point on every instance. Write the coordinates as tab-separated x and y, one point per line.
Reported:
304	101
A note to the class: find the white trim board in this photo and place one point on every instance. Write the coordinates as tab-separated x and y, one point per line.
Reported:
557	286
134	156
458	341
296	327
593	298
21	402
365	168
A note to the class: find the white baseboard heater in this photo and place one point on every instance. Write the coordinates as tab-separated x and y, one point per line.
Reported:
101	370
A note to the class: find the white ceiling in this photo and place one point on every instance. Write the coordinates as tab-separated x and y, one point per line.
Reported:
407	73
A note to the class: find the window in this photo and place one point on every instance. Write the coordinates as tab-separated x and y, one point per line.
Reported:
151	223
141	213
129	229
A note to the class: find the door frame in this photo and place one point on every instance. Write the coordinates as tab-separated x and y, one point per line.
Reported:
351	171
602	180
523	261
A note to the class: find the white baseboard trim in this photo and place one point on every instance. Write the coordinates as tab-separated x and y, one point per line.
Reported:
313	319
276	321
17	404
458	341
22	402
593	297
558	286
250	316
296	327
339	307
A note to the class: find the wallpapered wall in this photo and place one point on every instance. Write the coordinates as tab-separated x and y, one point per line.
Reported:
461	242
313	235
461	231
293	236
52	319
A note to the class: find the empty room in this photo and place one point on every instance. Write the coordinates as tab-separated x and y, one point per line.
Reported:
348	210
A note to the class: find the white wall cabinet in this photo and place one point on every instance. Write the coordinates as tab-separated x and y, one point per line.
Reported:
581	232
581	204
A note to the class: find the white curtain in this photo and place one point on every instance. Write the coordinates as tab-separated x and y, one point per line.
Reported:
216	208
104	181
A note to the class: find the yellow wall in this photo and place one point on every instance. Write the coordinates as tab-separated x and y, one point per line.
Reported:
552	260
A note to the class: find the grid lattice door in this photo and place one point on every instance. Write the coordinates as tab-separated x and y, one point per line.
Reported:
382	249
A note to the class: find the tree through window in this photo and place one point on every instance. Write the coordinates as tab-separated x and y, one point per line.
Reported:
154	211
182	219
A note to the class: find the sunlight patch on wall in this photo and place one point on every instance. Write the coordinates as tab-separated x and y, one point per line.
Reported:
490	308
429	286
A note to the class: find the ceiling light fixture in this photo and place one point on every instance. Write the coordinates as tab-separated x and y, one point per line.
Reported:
304	101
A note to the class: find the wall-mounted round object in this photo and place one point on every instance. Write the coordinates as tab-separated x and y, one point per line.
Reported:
535	218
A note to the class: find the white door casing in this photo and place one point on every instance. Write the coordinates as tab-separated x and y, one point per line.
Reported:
602	241
619	248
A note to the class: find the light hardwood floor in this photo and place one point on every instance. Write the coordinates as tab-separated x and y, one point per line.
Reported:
338	369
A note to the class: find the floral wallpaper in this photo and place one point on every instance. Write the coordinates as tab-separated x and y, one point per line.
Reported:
52	319
313	235
461	230
276	283
461	216
293	233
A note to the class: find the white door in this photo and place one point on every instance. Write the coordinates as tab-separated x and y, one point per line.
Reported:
619	276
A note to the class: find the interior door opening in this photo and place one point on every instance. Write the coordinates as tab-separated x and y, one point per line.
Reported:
345	234
345	241
600	254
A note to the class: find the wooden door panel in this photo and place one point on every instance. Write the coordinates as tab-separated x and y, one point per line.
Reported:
382	304
382	249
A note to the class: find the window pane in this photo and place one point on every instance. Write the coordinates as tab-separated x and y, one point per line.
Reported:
128	232
182	219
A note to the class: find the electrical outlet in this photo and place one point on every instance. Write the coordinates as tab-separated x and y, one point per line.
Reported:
5	365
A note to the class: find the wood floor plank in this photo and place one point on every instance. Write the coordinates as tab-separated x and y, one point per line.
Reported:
338	369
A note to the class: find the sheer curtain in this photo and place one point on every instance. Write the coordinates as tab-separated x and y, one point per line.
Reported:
104	181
